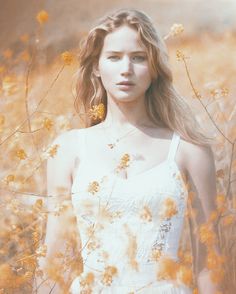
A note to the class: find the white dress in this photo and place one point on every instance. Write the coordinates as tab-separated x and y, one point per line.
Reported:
122	224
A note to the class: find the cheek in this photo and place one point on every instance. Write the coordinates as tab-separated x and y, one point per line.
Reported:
146	77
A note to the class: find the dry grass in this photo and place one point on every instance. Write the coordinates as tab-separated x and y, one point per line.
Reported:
37	105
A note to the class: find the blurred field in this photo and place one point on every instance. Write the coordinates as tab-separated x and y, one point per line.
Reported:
37	104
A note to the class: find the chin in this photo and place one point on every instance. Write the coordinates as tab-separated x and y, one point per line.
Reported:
125	98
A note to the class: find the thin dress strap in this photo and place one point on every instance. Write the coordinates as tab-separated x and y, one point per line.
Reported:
173	146
83	144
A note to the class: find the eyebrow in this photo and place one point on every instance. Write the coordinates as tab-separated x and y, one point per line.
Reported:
121	52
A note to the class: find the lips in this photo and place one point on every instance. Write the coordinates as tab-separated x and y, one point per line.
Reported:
126	83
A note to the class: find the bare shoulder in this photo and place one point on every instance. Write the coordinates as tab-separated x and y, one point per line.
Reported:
69	137
196	159
68	143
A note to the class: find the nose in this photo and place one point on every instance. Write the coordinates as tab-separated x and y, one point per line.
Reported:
126	67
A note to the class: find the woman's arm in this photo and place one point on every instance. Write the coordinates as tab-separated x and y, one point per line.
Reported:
59	220
200	167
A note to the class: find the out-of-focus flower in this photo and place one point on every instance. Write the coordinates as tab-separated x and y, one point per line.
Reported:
9	85
42	250
214	260
42	17
146	213
155	254
67	57
24	38
220	173
62	123
167	268
176	29
108	274
217	275
21	154
9	179
7	53
184	275
187	258
88	279
37	207
2	121
224	91
228	220
221	203
2	69
180	55
53	150
47	124
207	236
25	56
168	208
213	216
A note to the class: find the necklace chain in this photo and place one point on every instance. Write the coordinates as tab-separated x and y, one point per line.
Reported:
113	145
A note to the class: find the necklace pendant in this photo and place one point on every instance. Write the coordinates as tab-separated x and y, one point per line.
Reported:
111	145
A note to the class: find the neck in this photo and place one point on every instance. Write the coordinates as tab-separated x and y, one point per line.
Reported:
123	116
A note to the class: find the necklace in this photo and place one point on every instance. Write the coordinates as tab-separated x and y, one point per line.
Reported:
113	145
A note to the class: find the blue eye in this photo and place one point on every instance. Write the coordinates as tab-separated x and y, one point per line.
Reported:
139	58
135	58
113	57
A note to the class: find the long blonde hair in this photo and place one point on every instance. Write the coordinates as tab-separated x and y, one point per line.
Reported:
164	106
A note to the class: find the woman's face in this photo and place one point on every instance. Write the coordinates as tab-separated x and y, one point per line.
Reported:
124	59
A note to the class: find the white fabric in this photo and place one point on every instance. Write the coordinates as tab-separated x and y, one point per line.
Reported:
115	211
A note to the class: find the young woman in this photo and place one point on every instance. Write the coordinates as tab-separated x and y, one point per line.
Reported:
130	170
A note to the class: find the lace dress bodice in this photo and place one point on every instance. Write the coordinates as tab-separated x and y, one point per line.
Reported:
127	225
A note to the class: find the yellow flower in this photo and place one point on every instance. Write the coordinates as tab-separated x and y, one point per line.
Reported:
228	220
42	17
9	179
47	124
93	187
213	216
124	162
25	56
221	203
185	275
206	234
176	29
2	69
67	57
214	260
97	111
187	258
9	85
217	275
53	150
180	55
156	254
7	53
146	213
108	274
168	208
21	154
88	279
42	250
167	269
224	92
2	121
24	38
